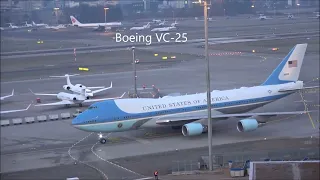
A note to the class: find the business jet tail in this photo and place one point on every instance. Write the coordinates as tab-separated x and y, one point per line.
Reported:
289	68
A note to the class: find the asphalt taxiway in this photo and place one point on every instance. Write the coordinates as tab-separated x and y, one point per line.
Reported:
57	144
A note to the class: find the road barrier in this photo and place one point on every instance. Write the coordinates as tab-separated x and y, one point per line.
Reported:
17	121
5	123
53	117
42	118
39	119
65	115
29	119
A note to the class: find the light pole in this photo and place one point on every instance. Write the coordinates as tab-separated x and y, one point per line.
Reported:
205	6
298	10
105	14
56	9
134	72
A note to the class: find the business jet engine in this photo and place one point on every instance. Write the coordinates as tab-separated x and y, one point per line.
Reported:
74	98
66	87
246	125
193	129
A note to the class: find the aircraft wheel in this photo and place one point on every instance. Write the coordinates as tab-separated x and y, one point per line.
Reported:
103	140
80	105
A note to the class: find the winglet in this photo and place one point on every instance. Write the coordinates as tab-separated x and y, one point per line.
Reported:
28	106
12	92
110	85
122	95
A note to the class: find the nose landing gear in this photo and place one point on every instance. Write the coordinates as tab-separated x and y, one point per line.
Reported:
102	139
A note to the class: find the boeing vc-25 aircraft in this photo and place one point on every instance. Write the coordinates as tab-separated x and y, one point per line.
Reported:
128	114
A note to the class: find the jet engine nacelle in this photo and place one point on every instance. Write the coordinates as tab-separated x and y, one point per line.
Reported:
193	129
66	87
74	98
246	125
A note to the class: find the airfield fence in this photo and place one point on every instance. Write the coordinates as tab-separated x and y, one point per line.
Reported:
223	159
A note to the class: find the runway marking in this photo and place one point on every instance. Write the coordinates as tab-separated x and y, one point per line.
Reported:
121	167
306	109
69	152
144	178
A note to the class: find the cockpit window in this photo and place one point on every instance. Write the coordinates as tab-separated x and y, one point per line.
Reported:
92	107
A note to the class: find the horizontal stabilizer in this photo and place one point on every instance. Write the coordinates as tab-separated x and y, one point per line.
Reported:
300	89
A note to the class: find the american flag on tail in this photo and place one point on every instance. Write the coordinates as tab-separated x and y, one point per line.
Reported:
293	63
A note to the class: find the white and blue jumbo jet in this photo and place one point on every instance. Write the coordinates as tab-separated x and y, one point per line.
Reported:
186	111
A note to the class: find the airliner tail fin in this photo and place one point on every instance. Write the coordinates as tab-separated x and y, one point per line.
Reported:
289	68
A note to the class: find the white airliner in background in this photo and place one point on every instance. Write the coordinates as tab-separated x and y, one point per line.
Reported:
164	29
187	111
4	97
28	25
77	88
39	25
147	26
76	23
68	99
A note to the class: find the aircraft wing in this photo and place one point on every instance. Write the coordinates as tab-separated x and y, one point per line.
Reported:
64	102
3	97
292	90
95	100
99	90
98	87
18	110
183	119
42	94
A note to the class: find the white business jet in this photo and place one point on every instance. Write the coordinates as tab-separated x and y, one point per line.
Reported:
39	25
4	97
164	29
262	17
108	25
60	26
156	21
68	99
187	112
174	23
12	26
77	88
147	26
162	23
